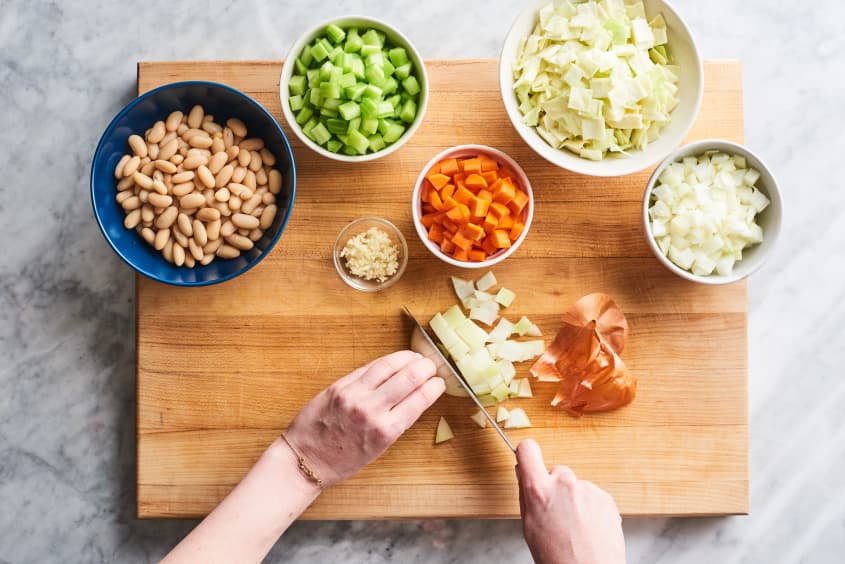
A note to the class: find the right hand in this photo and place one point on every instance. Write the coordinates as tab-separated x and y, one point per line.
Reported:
565	520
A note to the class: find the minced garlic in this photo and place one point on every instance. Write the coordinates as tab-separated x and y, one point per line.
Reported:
371	255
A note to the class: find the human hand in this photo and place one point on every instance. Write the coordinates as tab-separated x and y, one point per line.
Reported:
565	520
353	421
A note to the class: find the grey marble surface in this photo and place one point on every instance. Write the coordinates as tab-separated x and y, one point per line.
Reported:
66	301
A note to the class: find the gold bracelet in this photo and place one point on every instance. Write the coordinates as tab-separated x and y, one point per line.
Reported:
302	465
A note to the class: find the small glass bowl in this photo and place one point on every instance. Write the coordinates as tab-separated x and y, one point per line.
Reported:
359	226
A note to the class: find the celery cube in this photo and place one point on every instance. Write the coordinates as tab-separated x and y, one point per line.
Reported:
347	80
299	66
319	52
358	142
388	68
355	92
336	126
372	37
369	107
369	125
384	109
373	92
296	85
334	145
367	49
320	134
326	112
353	124
295	103
306	57
349	110
390	85
353	41
398	56
335	33
304	115
330	90
392	131
376	143
326	70
409	111
309	126
403	71
411	85
313	76
332	103
315	97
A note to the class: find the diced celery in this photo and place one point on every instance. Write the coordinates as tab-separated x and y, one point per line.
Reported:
349	150
336	126
369	125
353	124
390	85
299	66
349	110
373	92
324	111
306	57
309	126
332	103
358	142
398	56
367	49
409	111
315	97
384	109
334	145
304	115
295	103
376	59
388	68
347	80
353	41
335	53
394	131
369	107
296	85
375	74
355	92
313	76
403	71
320	134
376	143
394	100
371	37
319	52
357	67
335	33
411	85
330	90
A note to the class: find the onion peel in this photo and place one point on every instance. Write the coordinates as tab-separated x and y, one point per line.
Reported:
584	358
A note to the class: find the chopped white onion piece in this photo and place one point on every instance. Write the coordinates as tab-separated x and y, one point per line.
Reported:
463	288
517	419
502	331
444	432
505	297
502	414
486	316
486	282
479	419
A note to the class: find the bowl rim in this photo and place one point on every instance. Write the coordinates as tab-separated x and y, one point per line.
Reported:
772	190
95	163
287	72
579	165
403	264
416	206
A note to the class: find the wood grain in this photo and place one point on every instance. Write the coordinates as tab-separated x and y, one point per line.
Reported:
222	370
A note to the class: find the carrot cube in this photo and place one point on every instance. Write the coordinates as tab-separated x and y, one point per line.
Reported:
501	239
460	241
505	222
435	169
428	219
447	191
505	172
516	230
476	181
435	233
490	223
448	204
518	203
473	232
449	226
506	192
428	208
463	195
425	193
490	177
435	200
447	246
459	214
499	210
438	180
479	207
470	165
485	195
459	178
488	245
460	254
488	164
449	167
477	255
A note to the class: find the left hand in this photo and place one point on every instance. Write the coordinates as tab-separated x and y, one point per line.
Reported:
353	421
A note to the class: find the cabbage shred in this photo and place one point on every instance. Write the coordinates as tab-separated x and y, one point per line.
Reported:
593	77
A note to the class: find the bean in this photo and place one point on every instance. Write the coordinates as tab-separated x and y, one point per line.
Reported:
200	141
218	146
148	235
192	200
255	235
267	198
167	251
200	233
244	157
183	176
165	166
206	259
173	121
167	217
251	144
249	180
208	214
211	127
136	143
184	223
142	180
236	189
228	138
193	162
227	252
162	237
251	204
234	203
190	262
237	126
122	196
118	170
159	200
208	194
159	187
157	132
177	159
183	189
195	117
183	127
142	195
196	152
217	162
213	229
223	208
267	216
239	174
168	150
205	176
132	219
131	203
171	135
212	246
224	176
239	242
178	255
255	163
245	221
131	166
195	249
257	211
227	229
232	153
274	181
180	237
222	195
148	168
267	157
147	213
261	177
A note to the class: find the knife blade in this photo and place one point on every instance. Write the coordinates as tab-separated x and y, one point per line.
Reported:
456	373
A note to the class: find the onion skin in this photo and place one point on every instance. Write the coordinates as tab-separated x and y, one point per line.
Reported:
584	357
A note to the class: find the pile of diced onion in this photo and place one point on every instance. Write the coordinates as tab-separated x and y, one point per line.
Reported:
703	212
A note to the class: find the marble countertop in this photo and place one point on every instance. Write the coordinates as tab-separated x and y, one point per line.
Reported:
67	396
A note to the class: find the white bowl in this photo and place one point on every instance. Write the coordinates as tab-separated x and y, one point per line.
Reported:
769	219
684	53
462	151
394	36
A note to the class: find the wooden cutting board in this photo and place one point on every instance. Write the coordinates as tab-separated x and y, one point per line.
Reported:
222	370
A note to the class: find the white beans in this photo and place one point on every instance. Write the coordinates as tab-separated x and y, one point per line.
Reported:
196	190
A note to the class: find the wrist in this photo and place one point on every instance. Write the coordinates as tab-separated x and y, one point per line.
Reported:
282	457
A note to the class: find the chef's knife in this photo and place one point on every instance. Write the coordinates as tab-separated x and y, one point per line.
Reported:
457	375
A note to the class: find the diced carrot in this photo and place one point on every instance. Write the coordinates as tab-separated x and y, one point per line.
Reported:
460	240
438	180
428	219
505	222
460	254
463	195
516	230
434	170
476	181
425	192
428	208
448	204
479	207
473	232
436	202
505	172
490	177
470	165
490	223
459	178
447	191
488	164
477	255
459	214
450	226
447	246
505	193
485	195
501	239
449	167
499	210
435	233
489	245
518	203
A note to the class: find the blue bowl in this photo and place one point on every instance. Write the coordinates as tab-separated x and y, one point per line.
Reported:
223	102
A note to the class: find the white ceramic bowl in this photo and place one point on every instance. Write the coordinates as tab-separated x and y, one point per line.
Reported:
463	151
395	37
684	53
769	219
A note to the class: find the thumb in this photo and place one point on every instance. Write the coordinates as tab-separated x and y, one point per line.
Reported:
530	467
